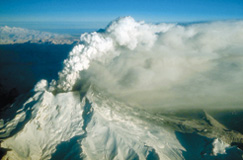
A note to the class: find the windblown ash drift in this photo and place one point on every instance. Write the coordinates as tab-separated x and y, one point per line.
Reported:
100	107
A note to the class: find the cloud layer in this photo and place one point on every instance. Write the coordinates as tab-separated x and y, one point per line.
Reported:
164	65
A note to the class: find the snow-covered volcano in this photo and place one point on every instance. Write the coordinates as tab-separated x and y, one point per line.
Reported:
135	91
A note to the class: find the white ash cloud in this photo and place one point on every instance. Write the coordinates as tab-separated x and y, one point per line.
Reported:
164	65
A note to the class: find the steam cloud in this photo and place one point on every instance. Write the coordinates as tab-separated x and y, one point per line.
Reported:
164	65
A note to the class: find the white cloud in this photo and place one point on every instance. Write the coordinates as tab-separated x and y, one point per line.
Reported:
165	65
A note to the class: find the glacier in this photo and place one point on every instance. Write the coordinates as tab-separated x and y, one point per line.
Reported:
123	91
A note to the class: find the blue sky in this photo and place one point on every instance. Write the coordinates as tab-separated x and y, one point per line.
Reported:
96	13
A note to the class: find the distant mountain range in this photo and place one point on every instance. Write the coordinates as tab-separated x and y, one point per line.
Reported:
13	35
